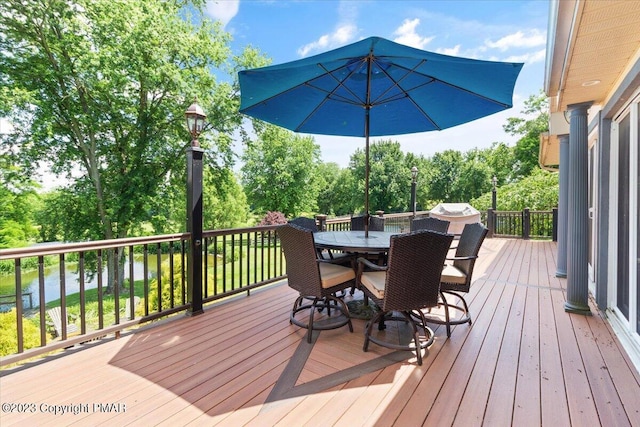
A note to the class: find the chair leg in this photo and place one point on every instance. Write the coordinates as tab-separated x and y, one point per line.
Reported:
446	314
311	313
416	335
297	303
368	328
464	308
342	306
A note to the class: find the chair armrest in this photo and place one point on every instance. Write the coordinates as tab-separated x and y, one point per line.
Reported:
366	262
461	258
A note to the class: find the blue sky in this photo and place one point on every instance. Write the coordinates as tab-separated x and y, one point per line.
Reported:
500	30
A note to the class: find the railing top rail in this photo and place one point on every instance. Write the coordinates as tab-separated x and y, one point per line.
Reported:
227	231
57	248
346	218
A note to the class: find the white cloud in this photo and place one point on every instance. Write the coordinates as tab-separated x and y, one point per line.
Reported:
519	39
406	34
452	51
341	36
223	10
528	58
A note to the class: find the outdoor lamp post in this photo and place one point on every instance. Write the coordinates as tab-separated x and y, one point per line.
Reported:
494	199
414	181
195	124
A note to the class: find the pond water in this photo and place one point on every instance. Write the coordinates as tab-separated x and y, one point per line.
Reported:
72	281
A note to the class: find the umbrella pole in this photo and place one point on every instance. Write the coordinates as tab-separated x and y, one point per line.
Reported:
366	177
366	134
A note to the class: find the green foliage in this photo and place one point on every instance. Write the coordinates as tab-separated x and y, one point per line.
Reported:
280	172
169	286
18	200
442	176
225	203
100	89
389	177
343	194
527	148
9	334
539	191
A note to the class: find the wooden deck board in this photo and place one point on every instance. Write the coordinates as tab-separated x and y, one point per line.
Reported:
523	361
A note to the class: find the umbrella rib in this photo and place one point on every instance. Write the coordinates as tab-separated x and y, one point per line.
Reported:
331	93
433	79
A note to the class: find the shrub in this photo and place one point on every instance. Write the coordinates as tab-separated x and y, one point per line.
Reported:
273	218
9	335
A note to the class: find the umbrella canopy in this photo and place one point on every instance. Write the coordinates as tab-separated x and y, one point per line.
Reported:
376	87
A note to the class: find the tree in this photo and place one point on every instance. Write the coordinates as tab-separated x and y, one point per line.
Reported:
345	196
474	179
538	191
389	177
102	86
500	159
442	175
527	148
327	174
18	200
280	172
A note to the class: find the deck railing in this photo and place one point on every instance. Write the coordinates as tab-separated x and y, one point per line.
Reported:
526	224
149	278
236	261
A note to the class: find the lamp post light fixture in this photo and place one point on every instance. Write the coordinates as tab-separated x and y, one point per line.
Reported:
195	118
414	181
195	121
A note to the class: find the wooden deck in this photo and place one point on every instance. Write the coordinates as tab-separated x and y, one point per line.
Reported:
523	362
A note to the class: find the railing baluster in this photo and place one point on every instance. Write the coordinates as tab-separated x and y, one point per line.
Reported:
83	301
159	275
132	282
18	278
42	304
205	276
63	298
145	270
171	273
100	294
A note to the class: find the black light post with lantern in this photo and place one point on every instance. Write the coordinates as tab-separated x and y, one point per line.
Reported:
491	216
414	182
494	199
195	124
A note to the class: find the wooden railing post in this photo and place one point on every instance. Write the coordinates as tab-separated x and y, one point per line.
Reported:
322	222
554	225
526	224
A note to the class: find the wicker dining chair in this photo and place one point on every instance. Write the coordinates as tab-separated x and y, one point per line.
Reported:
430	223
457	276
306	223
376	223
406	285
335	257
316	280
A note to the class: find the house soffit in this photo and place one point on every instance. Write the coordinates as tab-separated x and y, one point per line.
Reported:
593	41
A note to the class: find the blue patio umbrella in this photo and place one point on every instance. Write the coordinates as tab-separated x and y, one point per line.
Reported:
376	87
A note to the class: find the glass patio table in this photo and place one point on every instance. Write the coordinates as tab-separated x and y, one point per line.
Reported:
354	241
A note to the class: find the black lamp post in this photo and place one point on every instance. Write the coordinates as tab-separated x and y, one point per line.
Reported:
494	199
414	181
195	124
